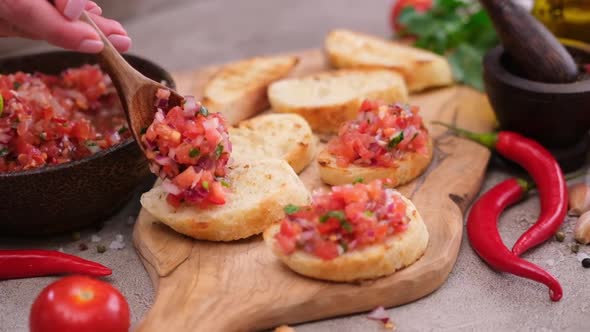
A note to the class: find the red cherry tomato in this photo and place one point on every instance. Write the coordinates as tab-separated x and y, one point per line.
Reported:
79	303
396	10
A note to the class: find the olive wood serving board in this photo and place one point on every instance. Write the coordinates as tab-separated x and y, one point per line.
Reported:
241	286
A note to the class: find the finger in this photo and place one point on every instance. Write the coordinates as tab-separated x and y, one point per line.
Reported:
93	8
72	9
41	20
9	30
114	32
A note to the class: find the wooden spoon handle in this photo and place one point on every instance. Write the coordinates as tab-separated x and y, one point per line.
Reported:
125	78
532	47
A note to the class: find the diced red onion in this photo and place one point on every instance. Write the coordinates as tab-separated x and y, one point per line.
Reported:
162	160
170	187
379	313
307	235
154	168
160	116
172	153
211	123
163	94
4	138
190	106
197	178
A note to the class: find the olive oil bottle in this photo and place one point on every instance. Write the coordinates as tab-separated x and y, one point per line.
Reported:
568	19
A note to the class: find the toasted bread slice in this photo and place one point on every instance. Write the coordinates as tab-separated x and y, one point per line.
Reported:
399	251
410	167
259	191
328	99
238	89
274	136
421	69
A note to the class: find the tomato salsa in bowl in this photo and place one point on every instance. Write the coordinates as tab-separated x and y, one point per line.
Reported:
67	159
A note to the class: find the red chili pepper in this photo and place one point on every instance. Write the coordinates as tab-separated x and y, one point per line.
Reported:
485	239
544	170
36	263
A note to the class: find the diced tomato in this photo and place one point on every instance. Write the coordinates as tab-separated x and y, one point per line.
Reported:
173	200
371	138
329	226
186	179
286	243
326	250
177	142
216	193
351	216
289	229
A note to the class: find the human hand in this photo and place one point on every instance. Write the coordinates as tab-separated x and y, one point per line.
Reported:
58	24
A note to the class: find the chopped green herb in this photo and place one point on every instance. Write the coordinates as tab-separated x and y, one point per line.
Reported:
290	209
346	226
194	153
15	85
143	130
413	137
90	143
225	183
205	185
395	140
122	130
218	151
1	105
3	152
358	180
43	135
333	214
459	29
369	214
204	111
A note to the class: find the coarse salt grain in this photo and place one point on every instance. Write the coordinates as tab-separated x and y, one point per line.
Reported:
95	238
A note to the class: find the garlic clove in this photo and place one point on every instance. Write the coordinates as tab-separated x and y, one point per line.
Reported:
579	199
582	229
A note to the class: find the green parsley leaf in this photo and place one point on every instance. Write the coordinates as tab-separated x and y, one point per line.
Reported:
346	226
461	30
1	105
358	180
369	214
3	152
90	143
16	85
333	214
194	153
205	185
290	209
225	183
218	151
395	140
204	111
122	130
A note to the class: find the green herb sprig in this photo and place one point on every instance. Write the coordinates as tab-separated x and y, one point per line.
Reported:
459	29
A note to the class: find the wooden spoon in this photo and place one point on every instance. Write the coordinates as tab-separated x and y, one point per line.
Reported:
532	47
137	92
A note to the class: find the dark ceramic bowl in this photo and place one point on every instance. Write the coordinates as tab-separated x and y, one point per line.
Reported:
70	196
556	115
